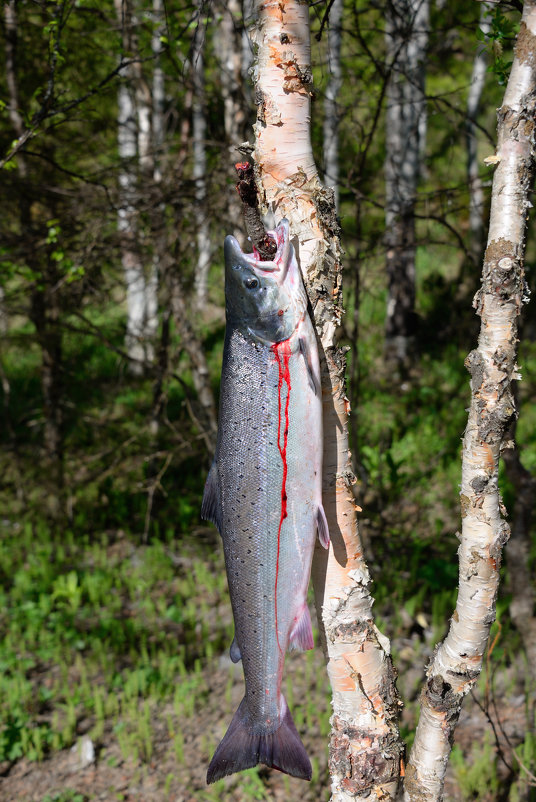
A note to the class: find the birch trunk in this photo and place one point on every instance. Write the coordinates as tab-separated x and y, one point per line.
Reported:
365	747
199	135
229	51
492	365
331	109
476	192
134	148
158	223
406	41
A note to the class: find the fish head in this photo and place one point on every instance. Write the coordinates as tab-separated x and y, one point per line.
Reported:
264	300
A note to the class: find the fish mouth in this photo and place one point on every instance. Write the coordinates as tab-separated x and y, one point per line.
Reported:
277	267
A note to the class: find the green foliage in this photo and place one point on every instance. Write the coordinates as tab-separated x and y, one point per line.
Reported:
502	34
477	774
64	796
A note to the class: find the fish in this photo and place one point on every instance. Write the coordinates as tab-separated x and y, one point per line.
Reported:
264	494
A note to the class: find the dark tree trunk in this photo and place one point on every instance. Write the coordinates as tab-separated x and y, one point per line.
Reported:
406	40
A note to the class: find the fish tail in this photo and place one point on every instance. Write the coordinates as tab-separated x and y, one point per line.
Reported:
242	748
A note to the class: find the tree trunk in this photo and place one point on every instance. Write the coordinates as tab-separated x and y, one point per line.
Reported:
134	147
44	314
228	36
492	365
476	192
44	303
331	109
199	135
406	42
365	746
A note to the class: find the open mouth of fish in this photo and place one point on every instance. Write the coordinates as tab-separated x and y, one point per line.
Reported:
278	267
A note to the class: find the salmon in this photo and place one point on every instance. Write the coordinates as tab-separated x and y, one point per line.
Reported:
264	494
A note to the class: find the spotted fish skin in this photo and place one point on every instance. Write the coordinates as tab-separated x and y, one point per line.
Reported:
264	494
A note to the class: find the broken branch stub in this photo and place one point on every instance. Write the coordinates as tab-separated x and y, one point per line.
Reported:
247	189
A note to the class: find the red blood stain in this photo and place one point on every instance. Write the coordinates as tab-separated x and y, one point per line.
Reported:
282	352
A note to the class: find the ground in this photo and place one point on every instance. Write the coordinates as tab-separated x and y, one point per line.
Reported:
181	777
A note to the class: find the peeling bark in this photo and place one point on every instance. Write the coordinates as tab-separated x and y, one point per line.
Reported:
492	365
365	747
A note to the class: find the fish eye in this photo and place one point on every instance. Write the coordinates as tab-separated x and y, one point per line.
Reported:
251	283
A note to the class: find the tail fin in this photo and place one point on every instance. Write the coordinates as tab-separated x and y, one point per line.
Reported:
242	748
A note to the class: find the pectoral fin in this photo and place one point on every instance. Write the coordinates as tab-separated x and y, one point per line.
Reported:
322	527
211	506
314	378
301	636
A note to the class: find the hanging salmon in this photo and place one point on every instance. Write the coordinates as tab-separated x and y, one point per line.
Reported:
264	494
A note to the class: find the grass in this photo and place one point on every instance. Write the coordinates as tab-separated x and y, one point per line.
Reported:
119	633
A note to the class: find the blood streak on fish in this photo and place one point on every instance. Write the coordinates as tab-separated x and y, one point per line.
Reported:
282	352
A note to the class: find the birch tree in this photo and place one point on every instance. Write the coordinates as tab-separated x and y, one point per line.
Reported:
406	41
492	365
476	191
199	135
365	749
229	49
135	152
331	110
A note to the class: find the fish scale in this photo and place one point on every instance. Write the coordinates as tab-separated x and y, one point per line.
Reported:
264	494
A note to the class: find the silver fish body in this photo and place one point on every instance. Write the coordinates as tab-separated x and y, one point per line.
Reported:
264	494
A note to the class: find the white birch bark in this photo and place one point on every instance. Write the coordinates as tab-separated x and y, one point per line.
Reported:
134	148
150	144
365	747
476	192
248	12
229	43
407	23
458	660
158	88
199	135
331	109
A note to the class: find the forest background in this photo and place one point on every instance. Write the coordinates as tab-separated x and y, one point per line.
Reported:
119	128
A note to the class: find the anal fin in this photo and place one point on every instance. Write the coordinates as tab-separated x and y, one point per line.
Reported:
211	505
